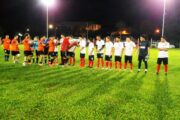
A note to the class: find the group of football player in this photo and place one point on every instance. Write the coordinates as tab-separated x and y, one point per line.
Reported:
45	51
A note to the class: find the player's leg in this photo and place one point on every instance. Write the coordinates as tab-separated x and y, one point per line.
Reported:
120	62
110	61
146	64
125	63
98	60
102	60
131	64
165	62
107	61
116	62
139	63
73	58
159	60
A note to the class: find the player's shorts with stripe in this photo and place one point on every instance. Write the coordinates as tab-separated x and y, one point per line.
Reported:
108	58
100	55
14	53
71	54
91	57
162	60
82	55
7	52
140	58
128	59
117	58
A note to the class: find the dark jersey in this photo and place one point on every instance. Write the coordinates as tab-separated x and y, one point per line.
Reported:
143	48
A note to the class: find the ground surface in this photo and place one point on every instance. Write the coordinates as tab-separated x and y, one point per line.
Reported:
35	92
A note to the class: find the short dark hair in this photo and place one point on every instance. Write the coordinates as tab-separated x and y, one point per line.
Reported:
144	36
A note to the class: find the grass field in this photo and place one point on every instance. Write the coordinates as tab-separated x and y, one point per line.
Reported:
71	93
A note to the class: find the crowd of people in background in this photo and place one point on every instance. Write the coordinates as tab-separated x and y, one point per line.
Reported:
44	51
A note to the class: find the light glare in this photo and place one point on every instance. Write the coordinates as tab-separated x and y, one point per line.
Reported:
48	2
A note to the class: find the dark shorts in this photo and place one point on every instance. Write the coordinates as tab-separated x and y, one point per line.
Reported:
91	58
55	54
71	54
46	51
164	60
7	52
108	58
40	53
51	54
128	59
82	55
14	53
100	55
117	58
27	53
63	54
140	58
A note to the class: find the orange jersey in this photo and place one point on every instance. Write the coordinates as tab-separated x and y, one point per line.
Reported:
40	45
6	44
51	45
14	45
27	46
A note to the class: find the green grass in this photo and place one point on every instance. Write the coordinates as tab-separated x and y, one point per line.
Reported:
71	93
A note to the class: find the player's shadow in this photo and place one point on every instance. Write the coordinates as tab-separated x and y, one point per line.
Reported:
103	88
161	97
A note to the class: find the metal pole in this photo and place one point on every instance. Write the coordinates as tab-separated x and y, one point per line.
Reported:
164	17
47	20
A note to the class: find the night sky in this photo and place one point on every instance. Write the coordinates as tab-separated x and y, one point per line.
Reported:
17	15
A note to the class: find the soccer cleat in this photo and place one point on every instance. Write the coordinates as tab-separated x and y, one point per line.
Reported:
157	73
145	71
139	70
166	74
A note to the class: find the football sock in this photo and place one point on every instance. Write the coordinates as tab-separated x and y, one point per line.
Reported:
110	64
116	64
166	68
107	64
131	66
120	65
102	62
125	65
158	68
98	63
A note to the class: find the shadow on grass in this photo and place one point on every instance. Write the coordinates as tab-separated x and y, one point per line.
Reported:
127	91
162	99
101	89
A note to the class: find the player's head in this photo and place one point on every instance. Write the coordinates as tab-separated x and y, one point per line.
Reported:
98	37
16	37
143	37
27	36
7	37
36	38
108	39
128	39
163	39
62	36
117	39
90	40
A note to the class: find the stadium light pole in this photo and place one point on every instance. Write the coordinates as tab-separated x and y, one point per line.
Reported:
164	16
47	3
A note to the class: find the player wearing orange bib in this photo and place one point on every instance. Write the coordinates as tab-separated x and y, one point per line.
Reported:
15	49
6	45
27	49
51	45
41	46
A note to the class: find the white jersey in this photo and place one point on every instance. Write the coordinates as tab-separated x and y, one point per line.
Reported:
129	46
56	45
83	45
99	45
118	46
72	49
163	45
90	48
109	47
